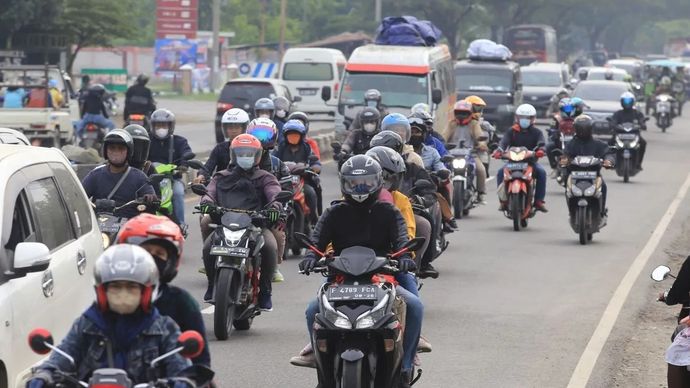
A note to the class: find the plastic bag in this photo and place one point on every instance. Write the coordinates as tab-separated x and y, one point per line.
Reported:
407	31
678	353
488	49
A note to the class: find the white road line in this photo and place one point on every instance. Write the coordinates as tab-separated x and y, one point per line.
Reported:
588	360
209	310
490	179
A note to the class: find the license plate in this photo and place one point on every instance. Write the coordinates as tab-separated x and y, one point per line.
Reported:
584	174
91	135
230	251
307	92
516	166
343	293
627	136
626	154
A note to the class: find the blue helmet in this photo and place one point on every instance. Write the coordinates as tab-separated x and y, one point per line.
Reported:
397	123
627	100
578	104
566	107
294	125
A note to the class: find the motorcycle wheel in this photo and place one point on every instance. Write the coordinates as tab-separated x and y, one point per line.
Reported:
225	308
352	375
516	212
582	227
458	199
626	170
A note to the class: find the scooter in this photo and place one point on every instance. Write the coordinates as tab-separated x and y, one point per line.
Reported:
463	166
92	136
627	145
109	224
298	219
358	331
519	185
664	111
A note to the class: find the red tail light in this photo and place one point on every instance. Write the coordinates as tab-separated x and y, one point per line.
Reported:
136	117
222	107
335	88
91	127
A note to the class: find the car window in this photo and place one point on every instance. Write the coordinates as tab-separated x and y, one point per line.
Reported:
78	205
22	231
307	71
49	214
541	78
245	92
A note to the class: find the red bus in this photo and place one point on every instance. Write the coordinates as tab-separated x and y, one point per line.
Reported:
531	43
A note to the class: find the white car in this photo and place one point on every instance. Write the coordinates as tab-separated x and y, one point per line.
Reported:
50	240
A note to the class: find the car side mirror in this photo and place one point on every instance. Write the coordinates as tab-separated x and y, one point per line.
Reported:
199	189
436	96
31	257
283	196
326	93
296	98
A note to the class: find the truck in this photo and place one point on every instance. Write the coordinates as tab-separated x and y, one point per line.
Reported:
43	121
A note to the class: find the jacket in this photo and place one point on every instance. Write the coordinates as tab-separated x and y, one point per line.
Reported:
529	138
93	103
273	165
629	116
219	159
160	149
475	132
431	158
403	204
590	147
138	100
680	290
435	142
133	340
357	142
301	155
264	183
414	173
380	227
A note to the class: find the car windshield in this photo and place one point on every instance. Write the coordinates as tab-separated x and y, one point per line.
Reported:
246	92
397	90
541	78
599	91
308	71
601	75
485	80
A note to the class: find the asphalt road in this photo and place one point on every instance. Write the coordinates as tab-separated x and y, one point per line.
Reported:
512	309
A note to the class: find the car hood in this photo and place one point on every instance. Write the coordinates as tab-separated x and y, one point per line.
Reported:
539	90
602	106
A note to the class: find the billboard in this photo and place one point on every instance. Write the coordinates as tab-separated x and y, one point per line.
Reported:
176	19
171	54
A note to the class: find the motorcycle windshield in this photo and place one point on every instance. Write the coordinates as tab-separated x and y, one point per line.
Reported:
236	221
585	161
357	261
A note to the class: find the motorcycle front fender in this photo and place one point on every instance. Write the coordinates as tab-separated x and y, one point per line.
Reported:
460	178
517	186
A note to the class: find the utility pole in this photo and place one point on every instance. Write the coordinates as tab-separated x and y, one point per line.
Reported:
377	11
214	52
283	21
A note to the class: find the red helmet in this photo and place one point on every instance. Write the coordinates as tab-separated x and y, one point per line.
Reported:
159	230
463	112
245	146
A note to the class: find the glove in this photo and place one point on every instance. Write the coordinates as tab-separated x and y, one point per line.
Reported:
540	153
206	208
406	265
308	264
496	154
35	383
443	174
662	296
149	198
273	215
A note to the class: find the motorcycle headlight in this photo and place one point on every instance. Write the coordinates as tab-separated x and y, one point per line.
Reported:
459	164
369	318
633	143
619	142
336	317
590	191
576	191
233	237
106	240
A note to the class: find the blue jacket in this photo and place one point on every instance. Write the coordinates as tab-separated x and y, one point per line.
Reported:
159	151
431	158
436	143
135	340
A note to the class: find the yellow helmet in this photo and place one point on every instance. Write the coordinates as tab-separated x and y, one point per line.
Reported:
478	106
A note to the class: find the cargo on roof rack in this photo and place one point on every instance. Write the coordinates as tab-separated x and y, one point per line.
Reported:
488	50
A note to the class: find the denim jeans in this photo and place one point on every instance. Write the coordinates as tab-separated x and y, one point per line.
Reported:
413	318
93	118
539	173
178	200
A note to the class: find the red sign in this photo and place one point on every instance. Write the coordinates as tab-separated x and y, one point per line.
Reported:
177	19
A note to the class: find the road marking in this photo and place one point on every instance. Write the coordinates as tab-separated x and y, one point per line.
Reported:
209	310
588	360
490	179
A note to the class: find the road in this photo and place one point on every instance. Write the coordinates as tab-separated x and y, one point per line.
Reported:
509	309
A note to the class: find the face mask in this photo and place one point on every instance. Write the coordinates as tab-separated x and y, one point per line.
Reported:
123	301
416	140
245	162
372	103
524	123
280	113
161	133
160	263
369	127
117	158
293	138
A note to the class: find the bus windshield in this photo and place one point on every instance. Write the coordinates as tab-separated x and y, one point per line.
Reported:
397	90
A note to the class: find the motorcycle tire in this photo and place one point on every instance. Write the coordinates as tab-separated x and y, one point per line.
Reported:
582	224
351	375
225	308
458	199
626	170
516	211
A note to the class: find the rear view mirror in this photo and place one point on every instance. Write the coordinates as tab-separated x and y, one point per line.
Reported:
436	96
296	98
191	342
415	243
326	93
38	338
199	189
196	164
660	273
336	146
188	156
31	257
283	196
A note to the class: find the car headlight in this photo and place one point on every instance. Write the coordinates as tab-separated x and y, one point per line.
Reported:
106	240
459	164
336	317
369	318
619	142
233	237
576	191
590	191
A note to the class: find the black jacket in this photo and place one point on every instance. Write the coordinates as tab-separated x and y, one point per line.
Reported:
93	104
380	227
414	173
680	291
629	116
357	142
219	159
160	150
590	147
139	100
528	138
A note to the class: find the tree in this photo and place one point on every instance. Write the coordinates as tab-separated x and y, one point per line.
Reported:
24	16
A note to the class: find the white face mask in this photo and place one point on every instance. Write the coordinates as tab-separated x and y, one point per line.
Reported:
123	301
369	127
245	162
280	113
161	133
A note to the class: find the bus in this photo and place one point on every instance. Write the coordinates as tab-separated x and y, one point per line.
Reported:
531	43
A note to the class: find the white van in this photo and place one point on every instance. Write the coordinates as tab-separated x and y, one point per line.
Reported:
305	71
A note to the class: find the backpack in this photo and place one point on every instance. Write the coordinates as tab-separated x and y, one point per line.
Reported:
407	31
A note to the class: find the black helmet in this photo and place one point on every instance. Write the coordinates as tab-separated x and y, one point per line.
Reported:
163	116
370	115
420	125
142	79
392	164
583	127
142	142
282	107
372	95
97	89
361	180
301	116
118	136
388	139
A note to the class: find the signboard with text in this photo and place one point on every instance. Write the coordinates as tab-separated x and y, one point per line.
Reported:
177	19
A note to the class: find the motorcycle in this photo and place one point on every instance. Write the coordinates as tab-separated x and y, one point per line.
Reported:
358	332
110	100
139	119
664	111
236	246
627	145
92	136
584	197
425	204
565	135
463	166
169	172
518	187
109	224
298	219
190	344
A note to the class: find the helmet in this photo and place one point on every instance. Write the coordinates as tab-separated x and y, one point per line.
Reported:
142	79
463	112
420	107
282	107
665	80
583	127
370	117
264	104
627	100
232	117
244	147
563	93
301	116
53	83
97	88
578	104
526	110
165	117
392	166
388	139
372	98
566	107
361	179
118	136
428	120
141	144
420	125
478	106
608	75
292	127
397	123
125	262
159	230
265	130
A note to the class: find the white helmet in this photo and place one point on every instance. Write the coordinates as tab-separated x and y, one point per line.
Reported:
526	110
420	107
235	116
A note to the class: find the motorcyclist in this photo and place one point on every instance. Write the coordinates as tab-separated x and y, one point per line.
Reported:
139	99
524	134
94	110
297	150
162	238
83	91
421	107
116	180
579	105
361	220
478	106
233	123
399	124
650	85
629	114
372	99
301	116
140	147
679	88
431	140
679	376
467	130
243	185
265	108
583	144
608	75
166	147
282	110
562	122
357	141
555	100
122	328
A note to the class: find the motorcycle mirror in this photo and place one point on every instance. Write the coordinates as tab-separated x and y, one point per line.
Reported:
646	119
105	204
313	158
38	338
447	158
415	243
493	146
199	189
191	342
284	196
156	179
188	156
196	164
660	273
303	239
336	146
450	146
